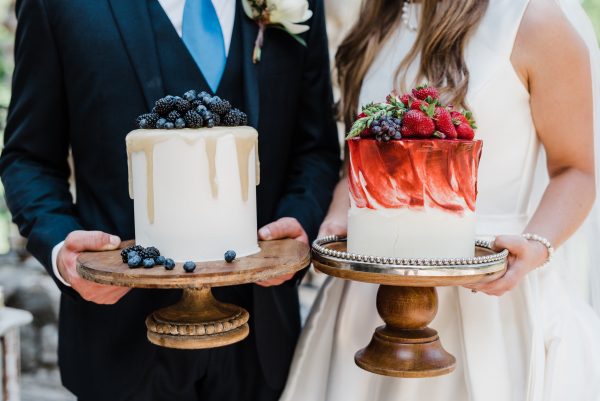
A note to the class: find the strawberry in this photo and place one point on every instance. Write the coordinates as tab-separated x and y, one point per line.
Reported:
424	91
406	133
463	117
418	124
405	99
419	105
465	131
443	123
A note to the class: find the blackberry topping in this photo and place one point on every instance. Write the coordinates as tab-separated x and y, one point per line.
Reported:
216	118
147	120
193	119
173	116
219	106
182	105
164	105
197	103
190	95
234	118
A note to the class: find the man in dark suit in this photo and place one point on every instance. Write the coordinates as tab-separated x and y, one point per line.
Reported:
84	70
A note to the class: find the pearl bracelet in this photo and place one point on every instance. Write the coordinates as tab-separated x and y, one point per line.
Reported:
543	241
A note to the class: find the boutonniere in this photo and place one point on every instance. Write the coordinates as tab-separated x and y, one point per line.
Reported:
286	15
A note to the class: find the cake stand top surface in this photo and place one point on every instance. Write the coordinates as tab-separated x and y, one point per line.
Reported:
275	258
330	257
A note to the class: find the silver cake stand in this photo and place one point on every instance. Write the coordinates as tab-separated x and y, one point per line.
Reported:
407	302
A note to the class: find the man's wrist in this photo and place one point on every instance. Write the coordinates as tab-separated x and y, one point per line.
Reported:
55	270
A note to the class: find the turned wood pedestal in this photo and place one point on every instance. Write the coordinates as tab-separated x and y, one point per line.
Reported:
407	302
198	320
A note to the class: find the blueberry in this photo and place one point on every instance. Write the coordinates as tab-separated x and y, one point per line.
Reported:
229	256
201	109
148	263
160	124
190	95
169	125
189	267
210	123
134	261
180	123
131	254
169	264
159	260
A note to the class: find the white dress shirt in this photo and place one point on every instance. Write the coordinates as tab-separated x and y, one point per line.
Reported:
174	9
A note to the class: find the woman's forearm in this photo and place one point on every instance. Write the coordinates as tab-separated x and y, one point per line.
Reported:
567	201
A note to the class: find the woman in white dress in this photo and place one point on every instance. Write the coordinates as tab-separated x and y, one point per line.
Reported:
524	68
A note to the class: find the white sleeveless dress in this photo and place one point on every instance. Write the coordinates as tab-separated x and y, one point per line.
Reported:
539	342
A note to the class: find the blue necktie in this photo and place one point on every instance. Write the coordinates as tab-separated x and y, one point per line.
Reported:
203	37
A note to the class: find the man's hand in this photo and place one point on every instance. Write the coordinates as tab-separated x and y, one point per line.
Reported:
286	227
77	242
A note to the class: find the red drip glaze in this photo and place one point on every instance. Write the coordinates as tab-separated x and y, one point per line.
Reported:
414	173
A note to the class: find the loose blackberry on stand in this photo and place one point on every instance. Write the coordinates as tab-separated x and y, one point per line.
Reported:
219	106
149	252
173	116
183	105
193	119
165	105
146	121
125	251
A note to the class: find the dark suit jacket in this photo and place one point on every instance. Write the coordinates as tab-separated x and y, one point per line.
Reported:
84	70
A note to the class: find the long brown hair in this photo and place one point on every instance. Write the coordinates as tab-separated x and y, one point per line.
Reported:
444	28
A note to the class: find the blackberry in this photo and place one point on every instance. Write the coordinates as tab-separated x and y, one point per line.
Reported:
229	256
169	264
235	118
180	123
134	262
197	103
182	105
125	251
160	260
219	106
189	267
148	263
146	121
164	105
193	119
160	124
216	118
151	251
173	116
190	95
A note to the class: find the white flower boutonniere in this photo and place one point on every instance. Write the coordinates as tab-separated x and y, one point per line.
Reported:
282	14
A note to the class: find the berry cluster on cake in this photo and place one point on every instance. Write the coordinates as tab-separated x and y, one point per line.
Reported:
413	178
193	169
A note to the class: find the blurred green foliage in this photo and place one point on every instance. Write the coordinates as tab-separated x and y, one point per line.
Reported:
593	9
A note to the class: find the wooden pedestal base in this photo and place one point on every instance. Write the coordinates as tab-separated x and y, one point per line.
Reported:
197	321
405	346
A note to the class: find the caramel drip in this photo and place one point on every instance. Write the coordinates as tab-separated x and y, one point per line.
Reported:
244	146
138	141
210	143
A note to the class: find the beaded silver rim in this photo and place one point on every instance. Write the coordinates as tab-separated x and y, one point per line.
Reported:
319	247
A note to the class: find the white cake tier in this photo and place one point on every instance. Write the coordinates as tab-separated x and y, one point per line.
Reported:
407	233
194	191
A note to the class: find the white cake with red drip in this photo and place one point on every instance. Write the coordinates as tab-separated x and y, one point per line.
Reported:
413	179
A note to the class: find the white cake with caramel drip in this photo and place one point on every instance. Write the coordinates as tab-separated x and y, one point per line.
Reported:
194	190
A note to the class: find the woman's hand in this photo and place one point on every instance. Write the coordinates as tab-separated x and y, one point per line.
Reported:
334	225
524	257
336	221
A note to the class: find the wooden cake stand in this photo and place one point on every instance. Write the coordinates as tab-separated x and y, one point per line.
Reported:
407	302
198	320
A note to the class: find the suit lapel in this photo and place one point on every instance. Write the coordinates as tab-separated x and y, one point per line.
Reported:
250	70
134	24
